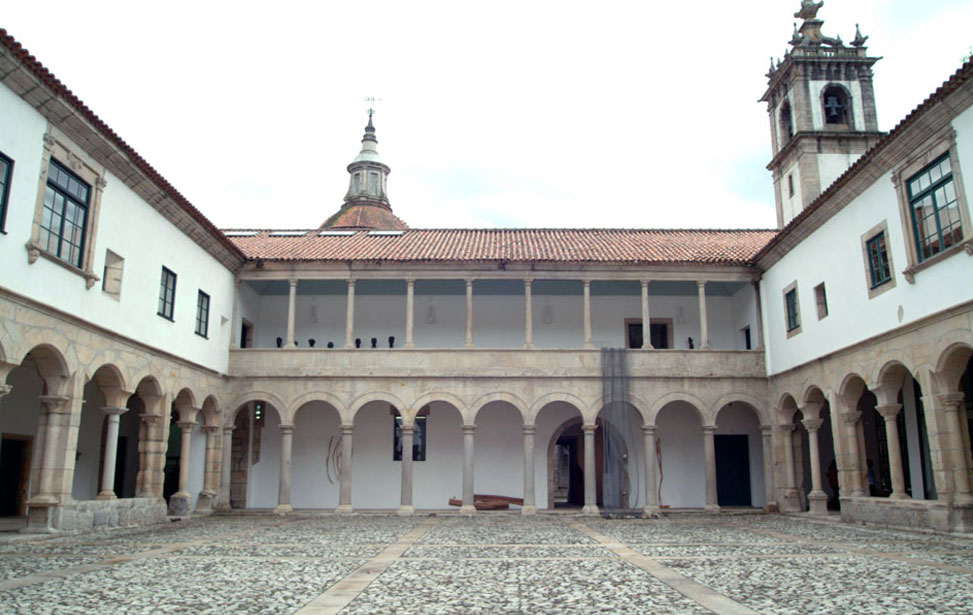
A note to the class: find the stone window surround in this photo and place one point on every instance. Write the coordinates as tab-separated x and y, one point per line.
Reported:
202	314
59	147
881	227
797	307
937	145
821	300
849	103
5	192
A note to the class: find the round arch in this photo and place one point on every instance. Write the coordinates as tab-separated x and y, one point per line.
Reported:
367	398
567	398
242	400
323	396
758	405
637	403
107	376
668	398
950	365
211	411
510	398
52	366
441	396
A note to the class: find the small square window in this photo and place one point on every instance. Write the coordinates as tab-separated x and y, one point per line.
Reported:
792	310
790	184
202	314
821	300
6	171
167	294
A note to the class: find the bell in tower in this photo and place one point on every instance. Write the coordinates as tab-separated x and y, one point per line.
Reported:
822	112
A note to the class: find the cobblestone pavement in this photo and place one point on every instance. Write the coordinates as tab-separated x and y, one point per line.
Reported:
490	563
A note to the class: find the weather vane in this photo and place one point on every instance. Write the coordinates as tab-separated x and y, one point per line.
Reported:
372	100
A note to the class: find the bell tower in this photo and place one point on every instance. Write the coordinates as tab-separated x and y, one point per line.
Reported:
822	112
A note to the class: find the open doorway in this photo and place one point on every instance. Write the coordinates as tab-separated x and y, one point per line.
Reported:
660	332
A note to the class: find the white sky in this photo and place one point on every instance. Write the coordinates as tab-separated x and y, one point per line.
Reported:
539	114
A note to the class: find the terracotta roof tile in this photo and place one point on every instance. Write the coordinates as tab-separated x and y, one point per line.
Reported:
658	246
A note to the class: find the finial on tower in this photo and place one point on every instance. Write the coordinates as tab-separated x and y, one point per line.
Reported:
859	39
809	9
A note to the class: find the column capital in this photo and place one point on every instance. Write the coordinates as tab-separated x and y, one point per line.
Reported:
787	428
410	280
55	404
228	430
851	417
766	430
589	428
186	425
351	282
812	425
211	429
150	419
649	430
469	429
292	282
187	413
114	410
701	284
529	429
888	411
811	409
644	283
286	429
586	282
528	280
115	397
407	429
469	281
709	429
950	401
347	429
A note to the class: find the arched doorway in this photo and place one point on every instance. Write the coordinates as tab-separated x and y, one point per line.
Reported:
682	463
255	456
739	457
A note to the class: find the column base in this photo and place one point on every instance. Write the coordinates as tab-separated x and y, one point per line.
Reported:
817	502
344	509
900	496
406	510
283	509
712	508
106	495
205	502
40	519
42	500
771	507
651	512
180	504
528	510
467	509
590	510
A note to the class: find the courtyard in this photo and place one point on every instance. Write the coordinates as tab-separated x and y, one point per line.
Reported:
491	563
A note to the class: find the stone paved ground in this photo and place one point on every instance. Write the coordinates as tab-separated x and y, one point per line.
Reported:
492	563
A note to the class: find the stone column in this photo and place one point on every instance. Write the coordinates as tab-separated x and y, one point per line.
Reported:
790	487
152	450
651	489
646	320
469	313
344	477
528	317
590	492
766	439
291	310
235	316
181	502
410	311
817	499
211	472
709	452
468	508
587	315
111	450
226	468
57	408
529	507
350	315
758	337
284	485
889	412
855	486
703	320
405	498
952	404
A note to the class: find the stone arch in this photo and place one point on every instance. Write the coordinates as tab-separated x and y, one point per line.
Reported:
636	402
185	397
442	396
852	387
567	398
758	406
52	367
844	98
211	411
367	398
892	370
322	396
52	342
668	398
483	400
270	398
107	376
950	366
814	394
786	409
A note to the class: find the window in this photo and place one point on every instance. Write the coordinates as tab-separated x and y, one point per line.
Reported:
6	170
372	183
65	215
167	294
934	208
821	300
111	281
879	271
790	184
202	313
660	332
835	106
418	438
786	124
792	310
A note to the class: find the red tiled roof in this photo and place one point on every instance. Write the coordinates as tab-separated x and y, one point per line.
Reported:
659	246
47	78
364	216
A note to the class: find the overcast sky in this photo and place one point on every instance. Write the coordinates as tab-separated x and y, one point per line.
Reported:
492	114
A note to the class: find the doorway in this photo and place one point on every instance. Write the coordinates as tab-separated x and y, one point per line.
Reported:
15	477
732	470
660	333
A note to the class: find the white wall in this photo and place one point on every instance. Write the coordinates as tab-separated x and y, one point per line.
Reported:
498	320
130	228
833	254
316	426
683	471
498	451
263	479
87	481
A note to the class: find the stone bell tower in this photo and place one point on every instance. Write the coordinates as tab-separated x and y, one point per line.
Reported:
366	203
822	112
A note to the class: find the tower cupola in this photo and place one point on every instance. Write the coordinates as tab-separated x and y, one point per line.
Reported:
366	203
822	111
